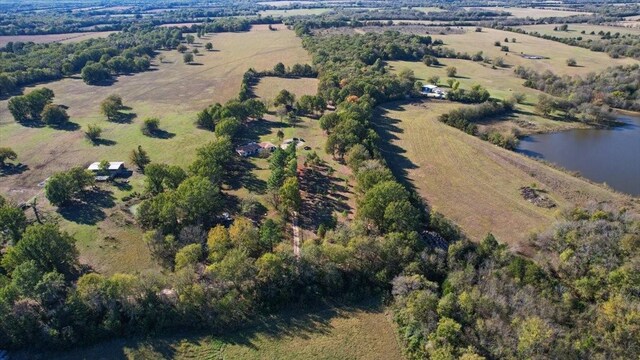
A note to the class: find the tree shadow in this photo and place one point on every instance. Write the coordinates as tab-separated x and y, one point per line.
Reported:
13	169
103	142
240	174
323	195
261	127
67	126
88	208
195	64
160	134
105	83
387	128
124	117
36	124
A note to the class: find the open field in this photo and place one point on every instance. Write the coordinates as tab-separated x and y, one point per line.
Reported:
294	12
472	182
501	84
362	332
533	13
557	53
174	92
64	38
575	30
269	87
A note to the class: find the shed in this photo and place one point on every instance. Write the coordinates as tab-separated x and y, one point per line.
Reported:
115	167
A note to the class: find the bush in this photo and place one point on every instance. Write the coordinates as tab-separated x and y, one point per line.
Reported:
93	132
572	62
54	115
150	126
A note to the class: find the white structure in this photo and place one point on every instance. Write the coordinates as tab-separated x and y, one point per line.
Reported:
114	167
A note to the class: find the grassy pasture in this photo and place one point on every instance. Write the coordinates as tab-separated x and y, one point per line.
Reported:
51	38
472	182
361	332
533	13
174	92
501	84
588	61
575	29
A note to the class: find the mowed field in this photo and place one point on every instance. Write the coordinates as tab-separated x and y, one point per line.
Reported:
366	333
575	30
501	84
533	13
472	182
294	12
174	92
64	38
557	53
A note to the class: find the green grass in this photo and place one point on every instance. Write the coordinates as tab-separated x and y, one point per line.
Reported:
471	181
361	332
501	84
174	92
557	53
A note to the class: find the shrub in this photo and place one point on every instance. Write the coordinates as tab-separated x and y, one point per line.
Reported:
572	62
150	126
93	132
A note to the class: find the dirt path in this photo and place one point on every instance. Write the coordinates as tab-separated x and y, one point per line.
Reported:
296	235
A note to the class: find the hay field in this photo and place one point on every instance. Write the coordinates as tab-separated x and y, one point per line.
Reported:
294	12
534	13
472	182
363	332
64	38
588	61
174	92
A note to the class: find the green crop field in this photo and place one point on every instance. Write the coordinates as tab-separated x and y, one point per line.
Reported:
364	332
174	92
472	182
557	53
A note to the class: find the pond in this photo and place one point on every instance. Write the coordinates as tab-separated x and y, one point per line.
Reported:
610	156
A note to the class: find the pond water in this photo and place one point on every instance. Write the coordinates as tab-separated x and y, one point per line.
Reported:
610	155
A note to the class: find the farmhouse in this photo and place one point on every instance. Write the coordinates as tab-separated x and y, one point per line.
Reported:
114	169
252	148
433	91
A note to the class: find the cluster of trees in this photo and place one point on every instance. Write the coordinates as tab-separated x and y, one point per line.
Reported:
464	118
615	87
63	187
37	107
577	300
129	51
228	119
353	65
348	126
283	184
477	94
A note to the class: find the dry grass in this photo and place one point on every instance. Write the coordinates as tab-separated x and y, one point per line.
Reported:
174	92
472	182
364	332
269	87
588	61
64	38
294	12
575	30
534	12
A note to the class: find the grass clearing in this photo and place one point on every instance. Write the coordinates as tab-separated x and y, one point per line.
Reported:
472	182
534	13
269	87
501	84
172	91
557	53
53	38
361	332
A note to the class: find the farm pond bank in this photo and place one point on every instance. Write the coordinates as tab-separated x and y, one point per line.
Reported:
610	156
